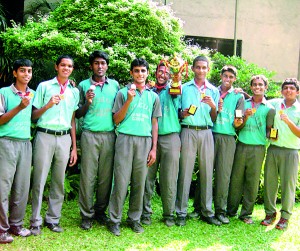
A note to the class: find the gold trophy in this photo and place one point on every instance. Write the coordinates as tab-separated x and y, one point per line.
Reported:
176	66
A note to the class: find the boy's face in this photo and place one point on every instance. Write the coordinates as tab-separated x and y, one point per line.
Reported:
99	67
227	79
23	75
65	68
200	69
289	92
162	75
258	87
139	75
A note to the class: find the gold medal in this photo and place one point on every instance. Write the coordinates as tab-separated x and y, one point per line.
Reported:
253	110
202	95
274	133
61	96
192	109
280	112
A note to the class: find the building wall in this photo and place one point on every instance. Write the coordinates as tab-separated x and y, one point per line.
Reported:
269	29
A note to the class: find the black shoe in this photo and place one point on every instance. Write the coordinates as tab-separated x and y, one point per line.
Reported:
19	231
169	222
86	224
36	230
102	219
222	218
211	220
114	228
54	227
194	215
135	226
180	221
5	238
146	220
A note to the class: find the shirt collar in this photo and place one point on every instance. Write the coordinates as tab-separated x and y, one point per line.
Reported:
15	90
229	91
94	82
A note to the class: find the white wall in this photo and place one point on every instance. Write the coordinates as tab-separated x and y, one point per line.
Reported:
269	29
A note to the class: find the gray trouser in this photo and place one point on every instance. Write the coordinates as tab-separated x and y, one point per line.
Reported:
224	154
193	141
282	162
245	176
15	168
167	158
130	167
96	165
49	152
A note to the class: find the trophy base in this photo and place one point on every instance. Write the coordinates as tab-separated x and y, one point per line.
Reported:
175	90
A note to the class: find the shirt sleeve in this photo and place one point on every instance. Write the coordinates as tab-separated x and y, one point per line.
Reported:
38	100
241	103
2	105
119	102
156	108
270	117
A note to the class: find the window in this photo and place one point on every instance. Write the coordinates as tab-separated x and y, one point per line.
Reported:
222	45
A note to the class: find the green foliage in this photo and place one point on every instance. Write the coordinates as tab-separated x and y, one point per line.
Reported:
245	72
126	29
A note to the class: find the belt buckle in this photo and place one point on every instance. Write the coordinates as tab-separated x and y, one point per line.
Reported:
198	128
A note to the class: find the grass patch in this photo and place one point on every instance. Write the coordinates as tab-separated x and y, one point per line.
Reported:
196	235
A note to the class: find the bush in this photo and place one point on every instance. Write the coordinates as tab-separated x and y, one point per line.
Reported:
245	72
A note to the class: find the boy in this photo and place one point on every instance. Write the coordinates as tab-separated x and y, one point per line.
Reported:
250	151
136	110
199	109
15	151
224	133
54	107
97	140
168	151
282	156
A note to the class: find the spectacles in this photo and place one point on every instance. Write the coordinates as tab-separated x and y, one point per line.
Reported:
160	73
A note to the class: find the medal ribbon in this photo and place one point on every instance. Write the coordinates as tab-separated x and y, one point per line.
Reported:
23	94
159	87
253	104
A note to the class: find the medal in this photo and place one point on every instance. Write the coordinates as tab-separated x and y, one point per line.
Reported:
253	110
274	133
192	109
238	114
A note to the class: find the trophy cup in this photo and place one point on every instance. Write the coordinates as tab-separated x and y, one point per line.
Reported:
176	66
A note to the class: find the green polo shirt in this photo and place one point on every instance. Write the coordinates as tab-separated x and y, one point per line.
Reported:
168	122
255	130
224	122
99	115
138	119
59	116
19	126
286	138
192	96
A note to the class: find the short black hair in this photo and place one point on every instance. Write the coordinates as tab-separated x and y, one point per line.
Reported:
161	63
60	58
98	54
229	68
21	62
290	81
262	77
139	62
200	58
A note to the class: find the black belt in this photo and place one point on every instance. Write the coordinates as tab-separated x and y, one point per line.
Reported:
54	132
197	128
